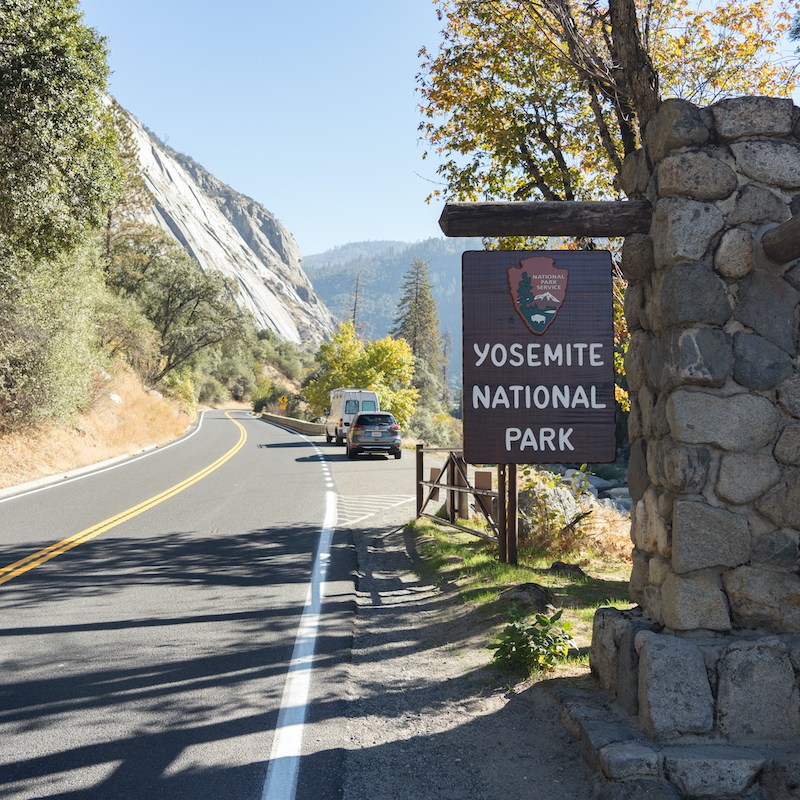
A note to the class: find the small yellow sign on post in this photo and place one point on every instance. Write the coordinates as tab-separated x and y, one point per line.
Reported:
283	400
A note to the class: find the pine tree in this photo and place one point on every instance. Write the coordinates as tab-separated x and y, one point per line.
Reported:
525	291
355	298
133	199
417	321
447	346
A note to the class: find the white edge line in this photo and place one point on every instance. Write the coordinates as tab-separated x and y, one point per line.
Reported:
284	759
88	472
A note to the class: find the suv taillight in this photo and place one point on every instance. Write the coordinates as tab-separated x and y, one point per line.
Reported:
357	428
394	427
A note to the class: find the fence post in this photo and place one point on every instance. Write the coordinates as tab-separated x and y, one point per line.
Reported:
502	553
512	515
461	480
420	492
451	493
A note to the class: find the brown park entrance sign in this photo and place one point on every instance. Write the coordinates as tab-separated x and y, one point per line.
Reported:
538	357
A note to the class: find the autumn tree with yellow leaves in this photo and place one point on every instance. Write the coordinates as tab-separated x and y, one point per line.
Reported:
385	365
527	99
543	99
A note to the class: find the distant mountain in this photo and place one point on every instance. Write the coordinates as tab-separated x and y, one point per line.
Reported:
380	267
227	231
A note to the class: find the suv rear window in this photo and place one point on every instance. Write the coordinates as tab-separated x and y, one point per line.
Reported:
375	419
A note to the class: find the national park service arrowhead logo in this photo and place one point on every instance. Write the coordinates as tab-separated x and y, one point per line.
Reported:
537	289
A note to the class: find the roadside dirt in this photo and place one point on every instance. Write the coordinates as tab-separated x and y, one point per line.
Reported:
124	419
429	717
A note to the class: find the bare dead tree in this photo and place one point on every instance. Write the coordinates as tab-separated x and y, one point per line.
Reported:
355	298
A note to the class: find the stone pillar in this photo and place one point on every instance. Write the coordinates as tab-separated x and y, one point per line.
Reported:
715	430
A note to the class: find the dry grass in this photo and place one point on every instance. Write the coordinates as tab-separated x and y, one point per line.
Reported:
608	532
109	429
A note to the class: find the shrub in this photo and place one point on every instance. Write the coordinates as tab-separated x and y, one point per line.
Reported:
264	394
210	391
179	384
551	509
435	429
47	352
235	370
124	332
536	646
283	355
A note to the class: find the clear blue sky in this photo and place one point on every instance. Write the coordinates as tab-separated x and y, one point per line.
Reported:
307	107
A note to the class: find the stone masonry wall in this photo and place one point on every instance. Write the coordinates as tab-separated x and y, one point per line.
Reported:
714	379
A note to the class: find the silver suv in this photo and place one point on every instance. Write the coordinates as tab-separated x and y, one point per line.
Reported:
373	432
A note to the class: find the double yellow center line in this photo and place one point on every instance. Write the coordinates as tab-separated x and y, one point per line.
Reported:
41	556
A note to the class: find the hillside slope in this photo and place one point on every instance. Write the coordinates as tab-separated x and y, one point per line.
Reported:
380	267
123	419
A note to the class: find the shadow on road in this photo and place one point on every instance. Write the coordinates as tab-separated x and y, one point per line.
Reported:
220	692
283	445
92	689
341	457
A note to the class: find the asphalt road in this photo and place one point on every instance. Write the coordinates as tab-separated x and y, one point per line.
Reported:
149	615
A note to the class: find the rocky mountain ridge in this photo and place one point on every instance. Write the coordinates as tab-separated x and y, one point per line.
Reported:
227	231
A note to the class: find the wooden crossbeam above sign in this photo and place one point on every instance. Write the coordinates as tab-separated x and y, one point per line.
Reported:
782	244
547	218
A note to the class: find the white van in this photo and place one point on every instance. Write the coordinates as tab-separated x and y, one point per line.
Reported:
344	405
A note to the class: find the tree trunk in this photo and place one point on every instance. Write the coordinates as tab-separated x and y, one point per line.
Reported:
637	70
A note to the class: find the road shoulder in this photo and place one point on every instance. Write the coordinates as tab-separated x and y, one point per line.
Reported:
429	717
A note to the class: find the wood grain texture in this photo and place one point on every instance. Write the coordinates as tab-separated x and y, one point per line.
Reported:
546	218
782	244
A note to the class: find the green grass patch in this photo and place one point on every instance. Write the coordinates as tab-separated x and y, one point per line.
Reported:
470	565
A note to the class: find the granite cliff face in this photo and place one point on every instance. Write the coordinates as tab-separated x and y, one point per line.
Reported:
226	231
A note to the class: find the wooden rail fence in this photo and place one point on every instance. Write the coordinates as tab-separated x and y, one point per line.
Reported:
497	506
